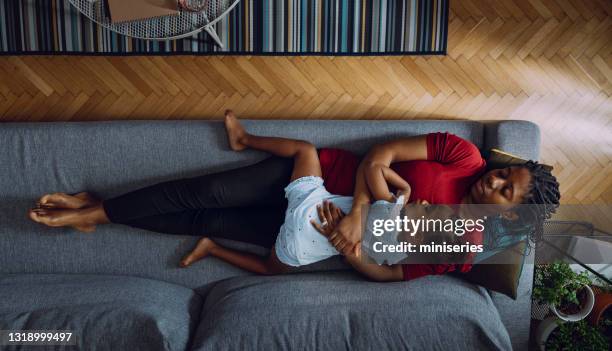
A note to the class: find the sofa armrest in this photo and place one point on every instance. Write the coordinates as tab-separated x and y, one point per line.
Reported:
521	138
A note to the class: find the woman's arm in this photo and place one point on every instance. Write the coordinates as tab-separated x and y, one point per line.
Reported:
380	177
405	149
375	272
399	150
348	230
330	216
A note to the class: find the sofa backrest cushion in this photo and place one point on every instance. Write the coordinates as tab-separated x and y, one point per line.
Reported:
114	157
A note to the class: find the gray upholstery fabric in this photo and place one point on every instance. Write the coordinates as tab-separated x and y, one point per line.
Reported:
521	138
104	312
516	315
109	158
340	311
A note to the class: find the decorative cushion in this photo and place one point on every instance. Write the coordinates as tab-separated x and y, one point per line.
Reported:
501	159
500	277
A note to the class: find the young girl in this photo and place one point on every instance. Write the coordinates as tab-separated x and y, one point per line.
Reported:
299	243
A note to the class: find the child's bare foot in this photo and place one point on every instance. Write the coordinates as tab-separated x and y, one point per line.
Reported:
235	131
63	200
201	250
61	218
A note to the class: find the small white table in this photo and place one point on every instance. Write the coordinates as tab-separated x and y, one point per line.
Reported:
183	25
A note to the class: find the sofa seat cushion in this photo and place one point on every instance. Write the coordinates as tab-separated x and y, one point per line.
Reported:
104	312
339	310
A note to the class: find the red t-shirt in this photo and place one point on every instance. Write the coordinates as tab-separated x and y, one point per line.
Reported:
452	166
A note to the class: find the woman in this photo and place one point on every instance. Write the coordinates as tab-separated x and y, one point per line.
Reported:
247	204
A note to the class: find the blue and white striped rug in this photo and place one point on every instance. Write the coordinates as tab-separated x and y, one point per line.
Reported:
309	27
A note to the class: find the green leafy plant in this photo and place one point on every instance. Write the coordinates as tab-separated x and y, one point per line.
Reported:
605	325
557	284
577	336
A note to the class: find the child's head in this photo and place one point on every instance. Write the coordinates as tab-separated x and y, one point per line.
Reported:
432	229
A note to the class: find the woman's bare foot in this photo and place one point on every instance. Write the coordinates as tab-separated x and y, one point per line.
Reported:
83	220
63	200
235	131
201	250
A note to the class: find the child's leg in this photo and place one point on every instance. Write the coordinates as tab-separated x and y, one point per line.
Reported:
304	153
246	261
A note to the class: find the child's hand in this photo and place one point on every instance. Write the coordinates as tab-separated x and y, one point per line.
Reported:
405	192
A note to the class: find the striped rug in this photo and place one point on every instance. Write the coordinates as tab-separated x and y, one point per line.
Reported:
255	27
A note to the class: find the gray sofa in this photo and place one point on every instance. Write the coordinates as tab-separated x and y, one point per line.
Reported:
121	288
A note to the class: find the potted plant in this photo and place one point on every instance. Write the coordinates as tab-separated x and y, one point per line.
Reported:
566	292
554	334
605	324
601	316
545	328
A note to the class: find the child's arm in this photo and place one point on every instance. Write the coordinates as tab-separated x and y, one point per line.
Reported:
379	177
331	215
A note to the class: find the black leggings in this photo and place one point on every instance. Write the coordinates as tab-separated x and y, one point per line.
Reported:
245	204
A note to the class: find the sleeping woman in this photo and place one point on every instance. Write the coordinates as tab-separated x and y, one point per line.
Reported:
248	204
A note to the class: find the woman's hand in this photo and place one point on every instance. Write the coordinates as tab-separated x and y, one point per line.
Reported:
329	216
332	218
347	234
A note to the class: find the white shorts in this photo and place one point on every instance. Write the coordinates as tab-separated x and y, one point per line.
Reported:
298	242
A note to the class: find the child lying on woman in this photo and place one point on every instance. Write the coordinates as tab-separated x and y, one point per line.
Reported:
299	241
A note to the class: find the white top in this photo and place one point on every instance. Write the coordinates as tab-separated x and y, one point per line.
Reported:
298	242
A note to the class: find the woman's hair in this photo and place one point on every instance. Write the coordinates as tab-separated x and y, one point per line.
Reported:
543	189
541	201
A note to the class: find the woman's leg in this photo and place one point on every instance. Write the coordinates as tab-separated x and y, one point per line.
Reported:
246	261
258	226
260	184
84	219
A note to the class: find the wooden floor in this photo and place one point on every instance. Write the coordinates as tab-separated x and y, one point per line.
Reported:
547	61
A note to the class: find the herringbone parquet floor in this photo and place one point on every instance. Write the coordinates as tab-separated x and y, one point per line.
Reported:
548	61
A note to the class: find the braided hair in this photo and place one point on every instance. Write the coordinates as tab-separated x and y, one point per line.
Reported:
542	199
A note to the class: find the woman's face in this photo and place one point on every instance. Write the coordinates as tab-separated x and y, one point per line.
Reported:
505	186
